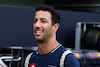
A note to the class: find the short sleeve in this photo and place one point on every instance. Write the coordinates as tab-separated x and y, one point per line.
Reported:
71	61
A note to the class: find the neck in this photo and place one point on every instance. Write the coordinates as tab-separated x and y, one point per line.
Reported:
46	47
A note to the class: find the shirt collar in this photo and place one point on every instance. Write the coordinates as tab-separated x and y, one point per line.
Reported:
52	50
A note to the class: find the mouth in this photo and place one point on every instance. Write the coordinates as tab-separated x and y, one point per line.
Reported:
38	32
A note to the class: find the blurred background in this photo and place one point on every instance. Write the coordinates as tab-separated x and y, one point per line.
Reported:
79	30
70	5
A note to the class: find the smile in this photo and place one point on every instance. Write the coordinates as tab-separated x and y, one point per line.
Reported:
38	32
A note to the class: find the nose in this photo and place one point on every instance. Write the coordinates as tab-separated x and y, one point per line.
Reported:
37	24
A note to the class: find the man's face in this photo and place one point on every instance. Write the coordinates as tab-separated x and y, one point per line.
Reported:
42	26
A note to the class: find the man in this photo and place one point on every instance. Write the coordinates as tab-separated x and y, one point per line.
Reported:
49	52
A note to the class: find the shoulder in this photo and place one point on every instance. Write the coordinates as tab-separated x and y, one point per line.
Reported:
71	61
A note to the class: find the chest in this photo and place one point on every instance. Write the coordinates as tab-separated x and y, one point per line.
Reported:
50	60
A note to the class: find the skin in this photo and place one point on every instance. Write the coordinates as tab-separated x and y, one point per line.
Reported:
45	32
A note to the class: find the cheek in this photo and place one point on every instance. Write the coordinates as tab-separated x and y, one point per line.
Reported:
50	30
33	26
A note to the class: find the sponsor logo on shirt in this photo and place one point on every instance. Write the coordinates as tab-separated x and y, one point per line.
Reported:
51	66
33	65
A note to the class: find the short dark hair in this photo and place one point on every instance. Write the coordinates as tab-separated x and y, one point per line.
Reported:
55	15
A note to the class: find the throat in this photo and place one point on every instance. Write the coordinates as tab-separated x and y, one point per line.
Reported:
45	49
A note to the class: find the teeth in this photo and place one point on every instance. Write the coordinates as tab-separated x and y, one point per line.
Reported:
38	32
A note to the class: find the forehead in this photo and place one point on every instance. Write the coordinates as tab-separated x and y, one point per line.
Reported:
42	14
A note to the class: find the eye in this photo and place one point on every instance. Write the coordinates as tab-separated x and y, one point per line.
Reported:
35	20
43	21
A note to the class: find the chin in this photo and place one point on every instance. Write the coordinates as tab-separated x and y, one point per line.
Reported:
40	41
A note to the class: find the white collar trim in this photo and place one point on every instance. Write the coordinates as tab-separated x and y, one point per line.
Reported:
52	50
56	48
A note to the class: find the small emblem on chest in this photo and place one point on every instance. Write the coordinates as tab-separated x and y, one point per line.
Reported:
33	65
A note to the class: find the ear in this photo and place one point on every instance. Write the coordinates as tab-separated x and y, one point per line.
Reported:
56	26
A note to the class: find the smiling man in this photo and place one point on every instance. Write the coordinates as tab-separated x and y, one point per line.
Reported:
50	52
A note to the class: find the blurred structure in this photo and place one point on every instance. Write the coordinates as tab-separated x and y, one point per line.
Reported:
70	5
76	5
2	64
87	36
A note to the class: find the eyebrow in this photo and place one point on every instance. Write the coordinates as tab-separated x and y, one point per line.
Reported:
40	18
43	18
